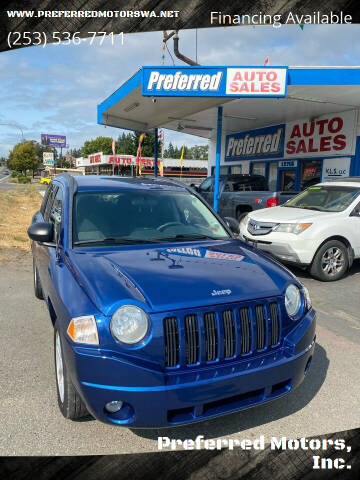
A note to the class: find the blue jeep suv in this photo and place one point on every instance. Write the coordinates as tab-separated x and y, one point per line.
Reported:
161	315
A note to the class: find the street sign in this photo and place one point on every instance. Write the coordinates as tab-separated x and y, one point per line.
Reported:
48	158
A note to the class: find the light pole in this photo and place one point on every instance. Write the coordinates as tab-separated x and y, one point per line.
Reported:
16	126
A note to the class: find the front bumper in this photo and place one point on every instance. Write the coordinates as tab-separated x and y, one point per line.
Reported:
294	253
154	398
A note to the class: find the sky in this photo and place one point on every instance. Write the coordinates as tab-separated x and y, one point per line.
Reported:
56	89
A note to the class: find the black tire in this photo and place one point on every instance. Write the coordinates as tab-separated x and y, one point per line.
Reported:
240	215
37	284
331	262
69	401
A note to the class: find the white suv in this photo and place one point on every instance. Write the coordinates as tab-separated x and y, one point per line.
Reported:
318	229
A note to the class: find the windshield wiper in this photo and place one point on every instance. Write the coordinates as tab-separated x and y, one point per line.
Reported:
303	208
190	236
313	208
116	241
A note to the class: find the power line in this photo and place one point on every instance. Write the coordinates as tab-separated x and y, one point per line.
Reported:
167	48
16	126
196	45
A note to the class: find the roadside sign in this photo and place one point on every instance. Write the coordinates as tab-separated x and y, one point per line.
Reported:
53	140
48	158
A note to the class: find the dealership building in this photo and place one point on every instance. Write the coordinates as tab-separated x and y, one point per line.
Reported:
294	125
101	164
295	154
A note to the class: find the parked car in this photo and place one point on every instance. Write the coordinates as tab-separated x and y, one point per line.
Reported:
161	315
241	194
318	229
45	180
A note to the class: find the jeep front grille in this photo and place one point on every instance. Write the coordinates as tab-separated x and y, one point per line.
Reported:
211	336
221	333
229	333
192	339
245	328
171	341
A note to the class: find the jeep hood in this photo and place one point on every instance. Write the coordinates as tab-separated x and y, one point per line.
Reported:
176	276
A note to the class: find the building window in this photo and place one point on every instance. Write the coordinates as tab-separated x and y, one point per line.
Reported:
236	170
259	169
310	173
288	180
273	172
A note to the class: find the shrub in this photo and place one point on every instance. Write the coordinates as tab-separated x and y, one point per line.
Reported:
24	179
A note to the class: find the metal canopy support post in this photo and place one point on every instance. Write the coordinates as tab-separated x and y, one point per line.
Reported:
218	154
156	148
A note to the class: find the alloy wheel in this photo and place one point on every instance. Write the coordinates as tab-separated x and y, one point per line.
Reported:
332	261
59	367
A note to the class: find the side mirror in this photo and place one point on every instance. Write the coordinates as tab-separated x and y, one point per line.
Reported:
233	224
42	232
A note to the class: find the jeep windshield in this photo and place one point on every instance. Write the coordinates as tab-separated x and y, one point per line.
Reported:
324	198
142	216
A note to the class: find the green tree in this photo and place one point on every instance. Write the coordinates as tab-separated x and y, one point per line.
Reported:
172	152
148	145
24	157
99	144
126	144
199	152
75	152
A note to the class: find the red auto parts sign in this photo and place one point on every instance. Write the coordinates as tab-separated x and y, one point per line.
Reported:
332	134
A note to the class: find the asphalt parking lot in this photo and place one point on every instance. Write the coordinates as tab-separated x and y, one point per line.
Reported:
31	423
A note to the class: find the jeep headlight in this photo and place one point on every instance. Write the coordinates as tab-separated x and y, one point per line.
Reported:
291	227
292	300
129	324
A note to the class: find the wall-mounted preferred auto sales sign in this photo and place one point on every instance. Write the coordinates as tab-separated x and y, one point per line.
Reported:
214	81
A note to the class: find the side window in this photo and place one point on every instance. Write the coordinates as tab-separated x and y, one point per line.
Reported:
356	210
229	187
50	199
45	199
258	185
206	186
241	185
56	209
55	213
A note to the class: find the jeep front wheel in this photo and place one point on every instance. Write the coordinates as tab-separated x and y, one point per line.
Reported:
70	403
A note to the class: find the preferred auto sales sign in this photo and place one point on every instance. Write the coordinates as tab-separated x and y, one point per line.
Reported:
332	134
214	81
